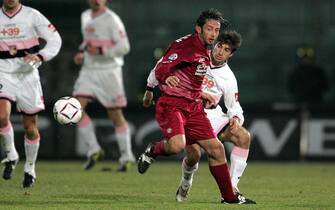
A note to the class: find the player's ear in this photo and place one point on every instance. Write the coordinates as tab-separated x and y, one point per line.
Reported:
198	29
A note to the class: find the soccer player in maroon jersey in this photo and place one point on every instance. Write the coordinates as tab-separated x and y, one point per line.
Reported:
179	111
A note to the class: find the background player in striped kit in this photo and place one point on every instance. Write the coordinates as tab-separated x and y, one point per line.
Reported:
20	56
105	42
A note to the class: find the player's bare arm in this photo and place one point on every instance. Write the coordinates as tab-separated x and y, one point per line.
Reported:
78	58
147	98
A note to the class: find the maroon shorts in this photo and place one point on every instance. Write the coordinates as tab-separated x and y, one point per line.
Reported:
181	116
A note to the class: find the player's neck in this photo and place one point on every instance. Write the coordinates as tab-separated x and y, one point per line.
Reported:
218	64
99	11
11	10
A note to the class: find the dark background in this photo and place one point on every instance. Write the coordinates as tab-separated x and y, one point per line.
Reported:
271	30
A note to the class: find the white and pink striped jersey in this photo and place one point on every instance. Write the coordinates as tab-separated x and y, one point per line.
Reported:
219	82
106	31
20	33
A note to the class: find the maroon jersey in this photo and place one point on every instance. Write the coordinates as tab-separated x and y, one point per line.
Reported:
188	59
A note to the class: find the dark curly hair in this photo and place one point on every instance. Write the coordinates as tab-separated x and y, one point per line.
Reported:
232	38
211	14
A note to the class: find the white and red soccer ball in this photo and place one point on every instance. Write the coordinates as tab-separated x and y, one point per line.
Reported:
67	110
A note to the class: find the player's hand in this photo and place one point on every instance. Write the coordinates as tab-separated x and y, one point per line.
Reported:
208	100
78	58
147	98
172	81
93	50
31	58
31	62
233	125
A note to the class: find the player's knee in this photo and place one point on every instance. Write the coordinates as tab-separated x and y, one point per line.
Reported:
32	133
175	147
4	121
217	153
30	129
244	139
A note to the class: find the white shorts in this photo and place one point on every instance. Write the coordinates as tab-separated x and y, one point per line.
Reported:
104	85
217	118
24	89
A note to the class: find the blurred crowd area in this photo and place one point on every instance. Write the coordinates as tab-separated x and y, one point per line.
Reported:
272	31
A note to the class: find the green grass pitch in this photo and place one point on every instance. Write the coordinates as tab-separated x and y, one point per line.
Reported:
65	185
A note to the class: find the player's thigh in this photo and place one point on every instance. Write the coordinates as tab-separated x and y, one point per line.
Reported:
5	109
116	115
8	91
84	101
170	119
198	127
240	137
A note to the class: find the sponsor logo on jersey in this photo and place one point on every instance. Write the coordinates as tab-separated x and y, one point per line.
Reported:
90	29
169	130
201	69
201	60
173	56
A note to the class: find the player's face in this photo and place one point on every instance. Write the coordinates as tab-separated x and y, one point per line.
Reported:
97	4
221	53
209	32
10	4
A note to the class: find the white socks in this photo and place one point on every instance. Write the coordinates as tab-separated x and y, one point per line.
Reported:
187	173
85	132
238	163
7	135
31	148
123	138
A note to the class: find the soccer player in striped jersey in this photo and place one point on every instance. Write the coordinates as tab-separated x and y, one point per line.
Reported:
20	56
105	42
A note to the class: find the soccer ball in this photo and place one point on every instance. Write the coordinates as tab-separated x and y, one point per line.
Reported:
67	110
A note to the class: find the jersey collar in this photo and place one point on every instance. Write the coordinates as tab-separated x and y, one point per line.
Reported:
218	66
11	15
99	12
